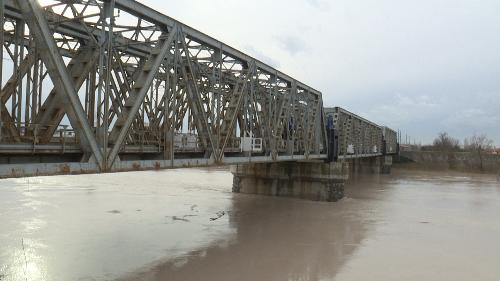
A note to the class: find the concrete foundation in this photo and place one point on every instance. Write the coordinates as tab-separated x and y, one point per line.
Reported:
372	165
307	180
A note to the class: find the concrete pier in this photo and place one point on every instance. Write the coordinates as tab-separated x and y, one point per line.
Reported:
371	165
313	180
308	180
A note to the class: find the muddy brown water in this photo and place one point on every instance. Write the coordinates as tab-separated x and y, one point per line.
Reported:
187	225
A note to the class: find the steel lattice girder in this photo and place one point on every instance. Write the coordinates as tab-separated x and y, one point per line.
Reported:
148	80
361	135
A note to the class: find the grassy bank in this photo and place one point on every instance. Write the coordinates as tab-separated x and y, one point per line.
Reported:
457	161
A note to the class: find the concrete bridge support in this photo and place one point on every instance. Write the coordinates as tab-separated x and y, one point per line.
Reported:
386	164
308	180
372	165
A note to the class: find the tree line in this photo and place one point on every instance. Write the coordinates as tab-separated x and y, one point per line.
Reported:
478	144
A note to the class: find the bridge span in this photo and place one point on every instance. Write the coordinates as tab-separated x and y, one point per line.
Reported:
91	86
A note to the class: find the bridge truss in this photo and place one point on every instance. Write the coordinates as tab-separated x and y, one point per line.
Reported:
93	85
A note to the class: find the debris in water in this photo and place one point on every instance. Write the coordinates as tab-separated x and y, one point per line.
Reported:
219	215
179	218
176	218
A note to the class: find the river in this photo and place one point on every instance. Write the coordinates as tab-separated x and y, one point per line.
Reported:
187	225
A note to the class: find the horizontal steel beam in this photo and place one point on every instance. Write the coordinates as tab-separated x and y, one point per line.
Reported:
47	169
354	156
142	11
345	111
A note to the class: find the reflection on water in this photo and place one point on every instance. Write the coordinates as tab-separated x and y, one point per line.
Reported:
277	239
187	225
99	227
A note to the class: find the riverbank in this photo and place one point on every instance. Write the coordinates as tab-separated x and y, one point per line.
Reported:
467	162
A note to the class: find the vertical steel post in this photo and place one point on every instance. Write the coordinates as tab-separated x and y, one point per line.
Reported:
91	97
20	56
219	94
15	70
101	71
40	85
2	20
176	102
244	110
253	79
293	117
272	118
35	93
110	7
173	109
27	98
167	97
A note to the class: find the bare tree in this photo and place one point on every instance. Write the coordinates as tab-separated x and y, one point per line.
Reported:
445	142
478	144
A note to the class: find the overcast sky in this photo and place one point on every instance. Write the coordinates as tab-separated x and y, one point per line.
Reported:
421	66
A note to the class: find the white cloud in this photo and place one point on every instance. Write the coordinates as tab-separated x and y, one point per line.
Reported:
251	50
292	44
320	4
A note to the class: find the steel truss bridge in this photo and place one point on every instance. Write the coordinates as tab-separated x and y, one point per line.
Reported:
113	85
